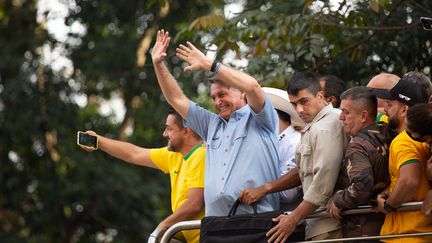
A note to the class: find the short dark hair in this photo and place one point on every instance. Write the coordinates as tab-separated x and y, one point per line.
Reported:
283	116
364	98
419	119
421	79
303	80
334	86
178	119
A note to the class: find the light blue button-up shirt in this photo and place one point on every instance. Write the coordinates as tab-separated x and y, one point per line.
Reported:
241	153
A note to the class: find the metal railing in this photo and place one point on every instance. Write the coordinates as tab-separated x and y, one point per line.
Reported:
195	224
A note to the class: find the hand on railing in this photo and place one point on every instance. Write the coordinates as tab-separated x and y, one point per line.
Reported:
334	211
319	213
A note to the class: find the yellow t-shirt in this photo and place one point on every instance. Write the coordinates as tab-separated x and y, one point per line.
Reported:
185	173
404	150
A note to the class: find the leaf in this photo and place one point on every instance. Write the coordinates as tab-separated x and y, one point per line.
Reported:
67	211
307	5
375	6
208	21
356	54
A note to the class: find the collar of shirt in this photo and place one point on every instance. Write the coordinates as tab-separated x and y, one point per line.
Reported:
318	117
238	114
373	128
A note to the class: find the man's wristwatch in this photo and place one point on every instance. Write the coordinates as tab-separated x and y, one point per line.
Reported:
389	208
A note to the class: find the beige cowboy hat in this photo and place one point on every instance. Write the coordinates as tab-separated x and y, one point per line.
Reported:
279	99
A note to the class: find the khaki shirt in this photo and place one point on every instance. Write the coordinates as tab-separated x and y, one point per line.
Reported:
319	157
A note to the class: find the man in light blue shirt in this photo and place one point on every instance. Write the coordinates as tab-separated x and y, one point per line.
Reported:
241	140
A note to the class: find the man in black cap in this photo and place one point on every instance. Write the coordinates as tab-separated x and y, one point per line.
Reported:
407	161
398	99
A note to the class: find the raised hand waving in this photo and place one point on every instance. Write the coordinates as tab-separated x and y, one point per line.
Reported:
160	47
194	57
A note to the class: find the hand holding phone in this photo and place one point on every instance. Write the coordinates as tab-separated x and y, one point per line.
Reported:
87	141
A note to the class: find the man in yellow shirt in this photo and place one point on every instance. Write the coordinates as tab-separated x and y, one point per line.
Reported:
407	161
183	159
419	123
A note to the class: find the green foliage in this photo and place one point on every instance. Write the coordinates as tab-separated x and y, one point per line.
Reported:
51	190
353	40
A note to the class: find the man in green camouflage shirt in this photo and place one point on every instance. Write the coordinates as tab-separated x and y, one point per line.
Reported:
364	171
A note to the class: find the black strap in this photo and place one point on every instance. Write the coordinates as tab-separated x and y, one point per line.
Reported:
213	66
233	209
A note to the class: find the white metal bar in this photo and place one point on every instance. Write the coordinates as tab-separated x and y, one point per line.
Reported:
379	237
184	225
195	224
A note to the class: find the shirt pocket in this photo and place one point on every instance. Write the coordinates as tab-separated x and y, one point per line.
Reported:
238	136
214	143
238	133
306	163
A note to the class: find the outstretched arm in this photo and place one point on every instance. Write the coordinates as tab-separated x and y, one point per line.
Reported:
240	80
122	150
170	88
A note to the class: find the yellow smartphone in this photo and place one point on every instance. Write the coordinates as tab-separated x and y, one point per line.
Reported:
87	140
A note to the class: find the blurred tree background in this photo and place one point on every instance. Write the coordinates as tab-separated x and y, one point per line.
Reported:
354	40
84	64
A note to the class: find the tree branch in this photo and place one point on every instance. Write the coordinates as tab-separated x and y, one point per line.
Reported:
427	10
367	28
326	60
378	28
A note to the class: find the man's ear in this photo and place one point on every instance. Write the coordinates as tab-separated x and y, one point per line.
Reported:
404	111
186	130
321	98
243	96
364	116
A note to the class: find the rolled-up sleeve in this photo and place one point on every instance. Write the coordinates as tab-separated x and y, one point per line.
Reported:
327	158
267	117
198	119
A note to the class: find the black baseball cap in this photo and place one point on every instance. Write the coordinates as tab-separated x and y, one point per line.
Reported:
404	91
